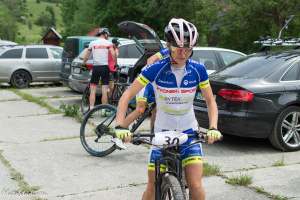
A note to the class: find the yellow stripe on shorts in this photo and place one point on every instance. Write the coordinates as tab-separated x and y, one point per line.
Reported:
151	167
204	84
142	80
191	160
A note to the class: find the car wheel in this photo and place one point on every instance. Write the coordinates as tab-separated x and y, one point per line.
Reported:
20	79
286	132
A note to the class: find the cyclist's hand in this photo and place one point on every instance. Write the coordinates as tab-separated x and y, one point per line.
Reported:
123	133
83	65
213	135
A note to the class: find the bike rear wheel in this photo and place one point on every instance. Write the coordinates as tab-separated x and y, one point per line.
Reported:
171	188
95	130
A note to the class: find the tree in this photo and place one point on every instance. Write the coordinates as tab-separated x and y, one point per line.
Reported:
8	25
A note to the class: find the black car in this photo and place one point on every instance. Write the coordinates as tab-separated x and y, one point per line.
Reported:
258	96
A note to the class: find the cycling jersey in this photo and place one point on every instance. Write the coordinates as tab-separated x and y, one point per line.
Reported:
174	101
163	53
100	48
147	93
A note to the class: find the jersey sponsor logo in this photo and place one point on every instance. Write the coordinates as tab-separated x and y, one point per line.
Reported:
165	82
100	47
185	82
175	90
188	90
167	91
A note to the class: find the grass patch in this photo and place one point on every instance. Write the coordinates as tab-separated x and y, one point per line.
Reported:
242	180
24	187
210	170
38	100
59	138
279	163
261	190
71	111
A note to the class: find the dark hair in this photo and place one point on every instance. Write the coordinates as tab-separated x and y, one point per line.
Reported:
102	31
115	41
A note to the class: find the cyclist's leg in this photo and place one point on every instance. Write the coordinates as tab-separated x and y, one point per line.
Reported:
139	110
149	93
141	103
192	163
111	84
104	73
93	85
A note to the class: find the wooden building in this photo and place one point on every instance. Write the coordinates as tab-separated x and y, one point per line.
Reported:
52	37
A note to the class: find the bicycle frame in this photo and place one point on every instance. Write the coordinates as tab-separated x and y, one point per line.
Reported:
171	158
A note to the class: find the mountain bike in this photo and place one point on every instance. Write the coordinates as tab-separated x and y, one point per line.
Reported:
121	82
169	184
97	125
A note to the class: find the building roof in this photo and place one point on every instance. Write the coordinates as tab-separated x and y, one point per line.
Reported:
52	33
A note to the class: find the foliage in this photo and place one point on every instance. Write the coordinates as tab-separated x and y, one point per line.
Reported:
8	26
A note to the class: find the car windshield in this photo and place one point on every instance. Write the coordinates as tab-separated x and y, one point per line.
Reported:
254	66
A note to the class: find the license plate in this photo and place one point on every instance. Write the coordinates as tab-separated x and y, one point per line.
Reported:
125	70
77	70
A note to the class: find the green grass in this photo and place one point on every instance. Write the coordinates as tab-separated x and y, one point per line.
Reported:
34	11
279	163
242	180
38	100
261	190
210	170
24	187
71	111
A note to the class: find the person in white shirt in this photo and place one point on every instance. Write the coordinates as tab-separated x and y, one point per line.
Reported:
100	48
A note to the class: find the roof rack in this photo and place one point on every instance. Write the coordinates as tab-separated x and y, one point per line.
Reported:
279	42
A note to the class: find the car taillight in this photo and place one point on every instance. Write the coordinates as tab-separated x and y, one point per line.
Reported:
236	95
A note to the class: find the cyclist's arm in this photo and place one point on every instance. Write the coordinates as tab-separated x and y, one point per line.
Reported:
152	59
86	55
113	53
211	106
130	93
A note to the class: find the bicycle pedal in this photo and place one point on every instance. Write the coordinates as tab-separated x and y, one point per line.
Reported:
120	145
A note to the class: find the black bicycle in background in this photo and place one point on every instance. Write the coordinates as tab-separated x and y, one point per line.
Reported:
96	128
121	82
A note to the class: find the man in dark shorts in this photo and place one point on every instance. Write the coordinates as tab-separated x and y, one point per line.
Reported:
100	49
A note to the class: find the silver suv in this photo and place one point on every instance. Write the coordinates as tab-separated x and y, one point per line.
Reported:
21	65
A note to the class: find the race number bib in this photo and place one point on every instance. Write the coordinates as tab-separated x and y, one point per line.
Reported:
169	138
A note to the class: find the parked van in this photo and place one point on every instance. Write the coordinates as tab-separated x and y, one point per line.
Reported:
72	48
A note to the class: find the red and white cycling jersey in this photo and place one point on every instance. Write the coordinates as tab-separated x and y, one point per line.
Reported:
100	50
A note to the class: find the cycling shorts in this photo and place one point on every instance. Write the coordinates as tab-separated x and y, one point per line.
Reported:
188	156
100	71
146	94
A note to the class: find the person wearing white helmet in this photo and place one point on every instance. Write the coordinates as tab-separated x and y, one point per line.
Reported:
100	49
175	80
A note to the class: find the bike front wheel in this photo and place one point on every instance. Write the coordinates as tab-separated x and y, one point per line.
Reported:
95	130
171	188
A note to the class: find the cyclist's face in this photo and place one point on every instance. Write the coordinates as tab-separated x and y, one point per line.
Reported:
180	55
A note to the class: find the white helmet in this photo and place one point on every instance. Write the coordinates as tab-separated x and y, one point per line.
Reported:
181	33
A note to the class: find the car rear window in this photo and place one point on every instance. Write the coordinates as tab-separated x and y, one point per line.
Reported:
12	53
253	66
